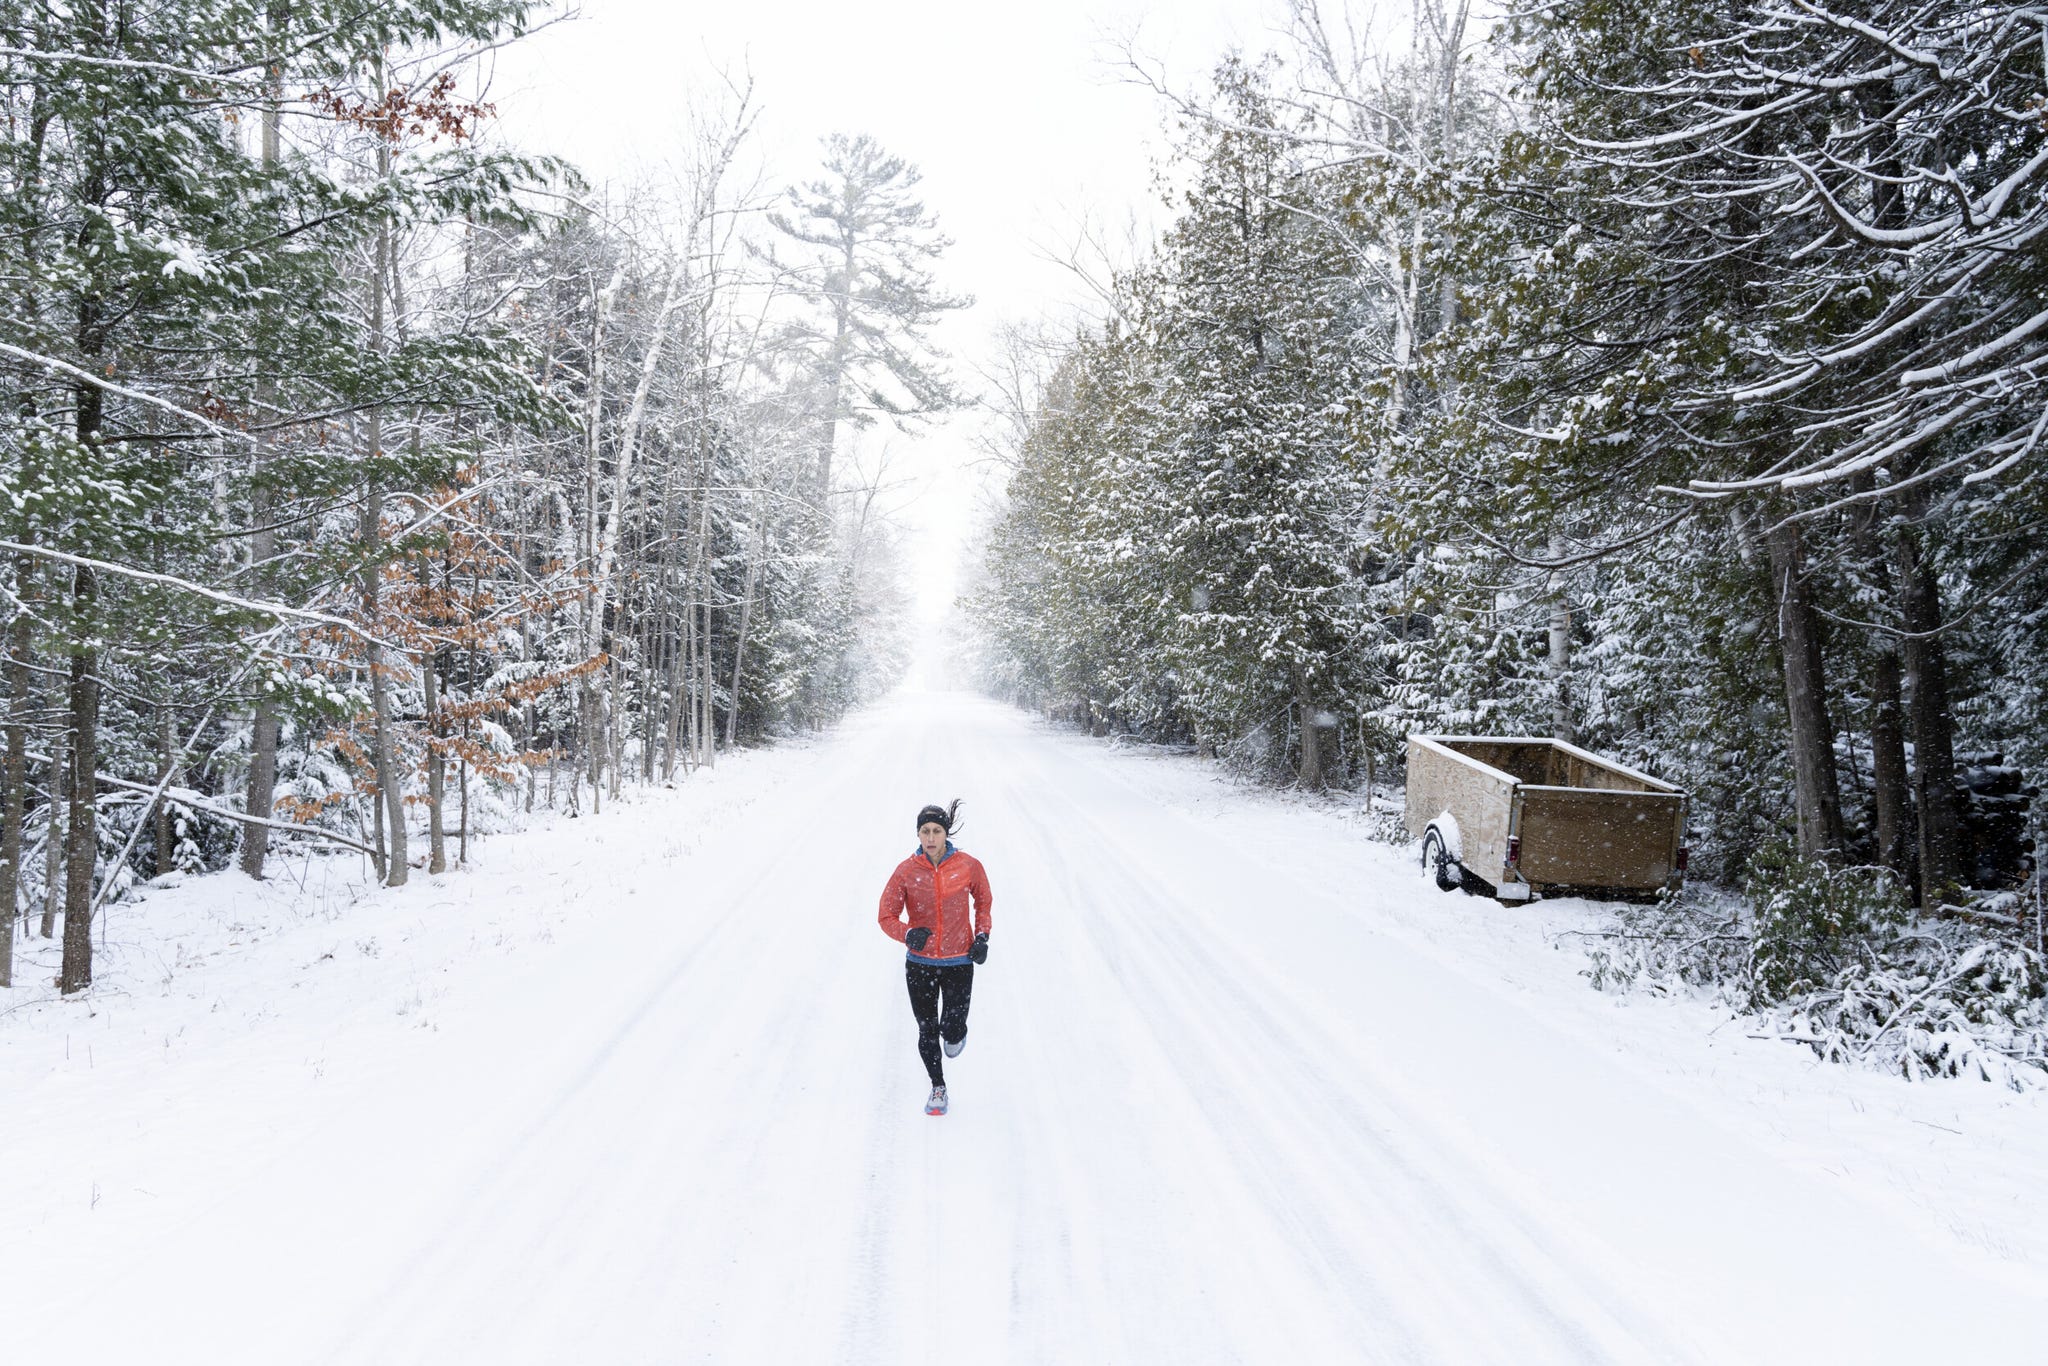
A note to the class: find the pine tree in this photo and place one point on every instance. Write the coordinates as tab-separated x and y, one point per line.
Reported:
867	280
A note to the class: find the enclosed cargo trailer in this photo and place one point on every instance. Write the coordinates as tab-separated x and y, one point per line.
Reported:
1524	814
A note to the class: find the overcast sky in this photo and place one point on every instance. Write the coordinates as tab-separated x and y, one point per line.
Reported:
1018	115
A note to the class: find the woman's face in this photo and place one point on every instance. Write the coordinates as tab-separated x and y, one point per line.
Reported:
932	836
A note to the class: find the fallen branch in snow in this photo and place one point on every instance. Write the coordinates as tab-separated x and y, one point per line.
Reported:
163	785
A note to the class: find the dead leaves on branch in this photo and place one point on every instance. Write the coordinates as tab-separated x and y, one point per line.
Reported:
432	112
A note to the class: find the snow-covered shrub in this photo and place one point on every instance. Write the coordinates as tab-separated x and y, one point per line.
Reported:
1831	958
1939	1001
1696	940
201	841
1815	921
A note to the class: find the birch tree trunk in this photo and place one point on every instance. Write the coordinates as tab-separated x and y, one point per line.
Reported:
629	442
591	625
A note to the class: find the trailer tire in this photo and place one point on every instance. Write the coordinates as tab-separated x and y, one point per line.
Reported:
1437	861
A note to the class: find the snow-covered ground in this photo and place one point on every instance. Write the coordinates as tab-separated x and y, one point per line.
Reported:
1241	1085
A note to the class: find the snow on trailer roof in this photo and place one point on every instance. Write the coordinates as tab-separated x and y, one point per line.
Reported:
1444	743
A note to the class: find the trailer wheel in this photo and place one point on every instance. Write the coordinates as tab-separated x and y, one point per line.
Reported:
1437	860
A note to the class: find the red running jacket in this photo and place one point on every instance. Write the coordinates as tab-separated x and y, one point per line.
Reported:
937	897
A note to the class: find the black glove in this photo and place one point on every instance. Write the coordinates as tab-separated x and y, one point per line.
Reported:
917	938
979	953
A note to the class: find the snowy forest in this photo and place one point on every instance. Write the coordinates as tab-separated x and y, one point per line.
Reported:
366	482
1666	382
1145	681
1668	378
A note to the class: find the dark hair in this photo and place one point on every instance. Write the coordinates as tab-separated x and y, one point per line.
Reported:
947	816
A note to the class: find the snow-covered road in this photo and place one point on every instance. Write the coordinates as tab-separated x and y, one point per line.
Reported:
1240	1086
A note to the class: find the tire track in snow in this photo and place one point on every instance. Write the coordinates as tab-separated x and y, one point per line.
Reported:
1174	1136
1464	1221
615	1161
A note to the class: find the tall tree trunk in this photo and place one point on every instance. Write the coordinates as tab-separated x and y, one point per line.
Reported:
590	607
167	766
708	693
14	778
1561	727
1311	775
53	838
389	783
390	787
702	739
381	858
1453	18
1889	781
261	797
739	646
82	833
437	765
676	682
1812	739
690	749
670	649
621	728
83	700
598	743
1930	720
1888	774
650	702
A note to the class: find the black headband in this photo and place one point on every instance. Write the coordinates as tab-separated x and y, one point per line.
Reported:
934	815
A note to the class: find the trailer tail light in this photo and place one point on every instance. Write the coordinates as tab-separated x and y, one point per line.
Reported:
1514	851
1683	853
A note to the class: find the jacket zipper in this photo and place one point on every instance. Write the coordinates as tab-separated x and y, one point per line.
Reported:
938	908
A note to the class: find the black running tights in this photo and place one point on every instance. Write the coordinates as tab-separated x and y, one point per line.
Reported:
928	982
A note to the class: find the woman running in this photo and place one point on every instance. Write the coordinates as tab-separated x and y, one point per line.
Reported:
924	907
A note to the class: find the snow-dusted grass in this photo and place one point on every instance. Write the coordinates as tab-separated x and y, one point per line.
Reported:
1241	1085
